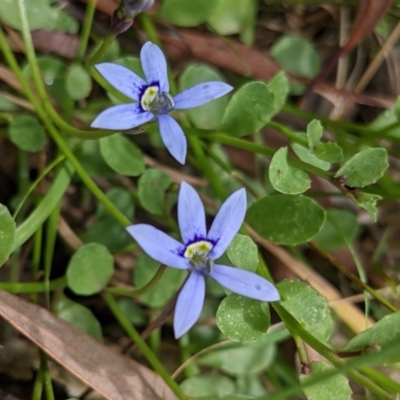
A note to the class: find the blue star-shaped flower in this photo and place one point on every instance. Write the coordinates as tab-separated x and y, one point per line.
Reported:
153	100
198	252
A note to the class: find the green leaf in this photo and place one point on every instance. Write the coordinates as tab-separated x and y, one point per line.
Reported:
334	388
27	133
78	82
296	55
314	134
365	167
279	86
90	269
286	219
208	116
243	253
122	155
38	13
167	286
249	109
205	385
384	334
245	358
340	228
7	234
227	397
307	306
132	311
79	316
152	188
90	157
285	178
367	201
329	152
243	319
186	13
308	157
231	17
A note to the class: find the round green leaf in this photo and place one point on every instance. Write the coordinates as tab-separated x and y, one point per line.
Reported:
122	155
383	335
314	134
249	109
285	178
308	157
7	234
152	188
208	116
279	86
79	316
365	167
89	156
205	385
166	287
230	17
186	13
27	134
286	219
243	319
89	269
367	201
243	252
307	306
296	55
38	13
329	152
78	82
333	388
340	228
246	358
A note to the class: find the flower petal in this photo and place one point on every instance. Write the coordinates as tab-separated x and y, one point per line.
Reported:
159	245
190	303
227	222
123	116
201	94
191	216
245	283
123	79
154	66
173	137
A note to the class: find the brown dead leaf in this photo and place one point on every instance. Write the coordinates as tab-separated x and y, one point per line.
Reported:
115	377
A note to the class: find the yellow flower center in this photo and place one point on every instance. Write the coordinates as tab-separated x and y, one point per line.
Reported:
148	97
200	248
197	253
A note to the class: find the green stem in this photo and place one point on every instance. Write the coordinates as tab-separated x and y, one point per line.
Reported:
142	345
288	133
86	27
297	329
33	287
95	58
138	292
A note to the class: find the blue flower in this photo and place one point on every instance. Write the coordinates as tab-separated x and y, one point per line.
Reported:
198	252
153	100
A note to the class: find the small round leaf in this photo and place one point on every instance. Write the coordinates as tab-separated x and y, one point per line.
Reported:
27	134
122	155
89	269
78	82
243	253
206	385
285	178
243	319
286	219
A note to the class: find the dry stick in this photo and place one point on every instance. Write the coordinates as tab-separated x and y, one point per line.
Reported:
374	66
353	317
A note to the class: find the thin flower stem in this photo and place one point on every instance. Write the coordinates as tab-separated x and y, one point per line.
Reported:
138	292
297	329
95	58
142	345
30	53
342	268
288	133
86	27
33	287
